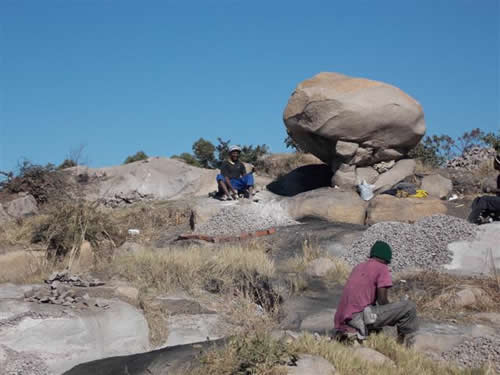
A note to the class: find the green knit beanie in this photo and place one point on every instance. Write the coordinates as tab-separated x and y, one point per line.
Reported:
382	251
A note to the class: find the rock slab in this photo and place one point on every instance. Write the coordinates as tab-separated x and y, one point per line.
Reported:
408	210
329	204
62	338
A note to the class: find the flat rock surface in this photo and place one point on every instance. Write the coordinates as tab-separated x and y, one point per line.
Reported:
479	254
63	337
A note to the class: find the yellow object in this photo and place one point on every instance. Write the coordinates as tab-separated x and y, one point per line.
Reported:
420	194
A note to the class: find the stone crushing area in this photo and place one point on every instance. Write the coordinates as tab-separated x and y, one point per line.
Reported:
421	245
475	352
245	218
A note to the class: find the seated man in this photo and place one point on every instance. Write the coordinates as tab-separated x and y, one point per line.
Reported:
364	305
233	178
487	203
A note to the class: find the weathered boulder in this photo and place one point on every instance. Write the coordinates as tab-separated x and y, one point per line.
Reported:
328	204
401	170
437	186
389	208
24	205
356	121
311	365
153	178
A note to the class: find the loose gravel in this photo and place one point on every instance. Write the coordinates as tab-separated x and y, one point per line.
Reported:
422	245
245	218
476	352
21	363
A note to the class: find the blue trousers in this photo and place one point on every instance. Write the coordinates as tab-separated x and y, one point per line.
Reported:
239	184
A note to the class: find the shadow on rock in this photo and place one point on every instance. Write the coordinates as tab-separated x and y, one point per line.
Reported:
171	360
308	177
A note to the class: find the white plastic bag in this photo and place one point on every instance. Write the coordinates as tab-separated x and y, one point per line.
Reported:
366	190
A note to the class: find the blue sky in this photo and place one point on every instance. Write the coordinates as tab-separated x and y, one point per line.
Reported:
121	76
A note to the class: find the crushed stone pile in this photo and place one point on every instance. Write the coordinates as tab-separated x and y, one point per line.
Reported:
471	158
60	291
476	352
420	245
245	218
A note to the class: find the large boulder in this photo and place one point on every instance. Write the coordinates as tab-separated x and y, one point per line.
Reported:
328	204
155	178
437	186
24	205
409	210
355	121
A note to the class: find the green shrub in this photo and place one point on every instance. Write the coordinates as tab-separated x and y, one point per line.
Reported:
138	156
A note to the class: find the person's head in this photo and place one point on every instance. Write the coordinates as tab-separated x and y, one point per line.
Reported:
234	153
496	162
382	251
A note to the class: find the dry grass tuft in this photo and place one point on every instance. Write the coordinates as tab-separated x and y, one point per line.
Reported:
68	224
296	267
194	268
256	352
24	267
435	292
408	362
19	233
253	353
151	218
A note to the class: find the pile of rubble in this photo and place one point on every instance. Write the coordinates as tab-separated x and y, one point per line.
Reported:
60	291
476	352
472	158
422	245
245	218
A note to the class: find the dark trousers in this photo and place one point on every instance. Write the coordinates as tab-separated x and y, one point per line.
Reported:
486	203
402	314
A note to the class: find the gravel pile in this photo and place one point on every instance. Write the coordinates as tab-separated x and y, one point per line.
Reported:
245	218
420	245
475	352
472	158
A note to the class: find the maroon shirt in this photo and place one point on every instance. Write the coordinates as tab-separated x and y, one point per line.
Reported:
360	290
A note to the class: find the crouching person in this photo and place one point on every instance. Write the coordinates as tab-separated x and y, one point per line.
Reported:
364	306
